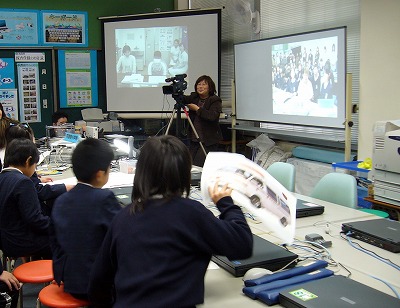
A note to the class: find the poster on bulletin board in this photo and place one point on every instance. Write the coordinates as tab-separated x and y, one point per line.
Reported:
7	77
29	92
77	71
64	28
19	27
8	98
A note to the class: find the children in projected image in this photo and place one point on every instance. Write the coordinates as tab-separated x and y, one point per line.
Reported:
127	62
157	67
173	53
326	82
300	84
181	66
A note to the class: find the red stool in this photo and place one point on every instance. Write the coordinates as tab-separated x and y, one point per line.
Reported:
40	271
54	296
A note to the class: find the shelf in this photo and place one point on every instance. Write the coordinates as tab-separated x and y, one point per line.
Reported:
299	137
351	165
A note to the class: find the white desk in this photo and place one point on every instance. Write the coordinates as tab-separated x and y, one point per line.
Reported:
359	263
333	213
224	290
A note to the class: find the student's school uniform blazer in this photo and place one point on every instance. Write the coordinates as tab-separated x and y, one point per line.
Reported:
79	221
23	227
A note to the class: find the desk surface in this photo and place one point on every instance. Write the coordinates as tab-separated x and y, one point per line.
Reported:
224	290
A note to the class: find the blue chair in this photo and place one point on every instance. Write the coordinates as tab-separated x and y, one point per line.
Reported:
284	173
339	188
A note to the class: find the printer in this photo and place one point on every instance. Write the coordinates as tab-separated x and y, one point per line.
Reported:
94	117
386	161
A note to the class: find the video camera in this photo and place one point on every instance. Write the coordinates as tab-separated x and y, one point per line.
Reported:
178	86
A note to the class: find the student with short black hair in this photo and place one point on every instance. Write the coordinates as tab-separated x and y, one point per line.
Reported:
157	249
82	216
59	118
24	229
46	193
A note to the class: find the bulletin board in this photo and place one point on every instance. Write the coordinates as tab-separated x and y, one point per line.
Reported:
64	28
77	71
43	28
26	86
19	27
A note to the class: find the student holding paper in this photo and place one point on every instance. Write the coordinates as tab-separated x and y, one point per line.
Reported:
157	249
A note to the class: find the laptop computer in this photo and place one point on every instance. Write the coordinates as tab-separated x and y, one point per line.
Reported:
265	254
306	208
123	194
383	233
335	291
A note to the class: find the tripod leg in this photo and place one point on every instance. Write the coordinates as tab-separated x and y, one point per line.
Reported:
170	121
197	135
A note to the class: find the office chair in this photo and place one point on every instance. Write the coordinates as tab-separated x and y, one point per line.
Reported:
339	188
284	173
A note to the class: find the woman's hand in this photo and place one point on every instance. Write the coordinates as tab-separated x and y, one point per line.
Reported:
193	107
218	192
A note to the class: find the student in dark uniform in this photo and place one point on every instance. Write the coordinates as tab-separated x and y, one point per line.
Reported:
24	229
46	193
157	249
82	216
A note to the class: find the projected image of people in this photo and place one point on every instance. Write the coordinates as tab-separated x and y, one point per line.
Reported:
181	65
127	62
157	67
158	53
304	78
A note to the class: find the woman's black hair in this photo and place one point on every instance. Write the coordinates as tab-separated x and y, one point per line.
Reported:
2	109
211	85
4	124
18	151
163	169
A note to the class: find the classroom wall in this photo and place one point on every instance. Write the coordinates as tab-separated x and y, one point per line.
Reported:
95	9
379	68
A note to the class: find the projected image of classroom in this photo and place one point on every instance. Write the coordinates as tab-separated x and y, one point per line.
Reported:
304	78
145	57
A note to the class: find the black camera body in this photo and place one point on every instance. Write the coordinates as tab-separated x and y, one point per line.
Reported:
178	86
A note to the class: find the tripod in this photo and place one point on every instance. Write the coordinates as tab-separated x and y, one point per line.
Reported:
177	111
